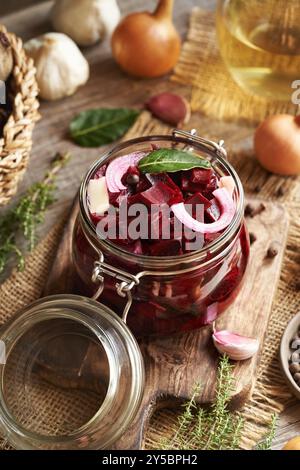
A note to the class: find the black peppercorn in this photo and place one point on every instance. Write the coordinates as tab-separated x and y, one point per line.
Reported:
272	251
252	237
133	179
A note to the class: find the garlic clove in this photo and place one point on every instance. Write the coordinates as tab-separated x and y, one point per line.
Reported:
98	199
236	347
170	108
85	21
61	67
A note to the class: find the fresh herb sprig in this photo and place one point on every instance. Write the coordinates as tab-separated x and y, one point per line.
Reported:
268	439
214	428
24	218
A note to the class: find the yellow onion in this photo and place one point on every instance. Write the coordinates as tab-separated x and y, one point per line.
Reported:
147	44
293	444
277	144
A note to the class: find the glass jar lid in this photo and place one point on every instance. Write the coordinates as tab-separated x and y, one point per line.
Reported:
73	376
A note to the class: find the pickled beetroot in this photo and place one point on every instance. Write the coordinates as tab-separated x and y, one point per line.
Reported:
114	198
200	176
143	184
228	285
206	188
190	291
198	199
166	236
165	178
159	193
134	247
166	248
100	172
212	213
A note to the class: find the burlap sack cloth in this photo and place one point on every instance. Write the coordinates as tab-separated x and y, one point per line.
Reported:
270	393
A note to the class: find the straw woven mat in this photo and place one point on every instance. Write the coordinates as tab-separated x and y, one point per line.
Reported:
270	393
201	65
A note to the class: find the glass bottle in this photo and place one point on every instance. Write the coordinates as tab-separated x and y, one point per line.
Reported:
260	44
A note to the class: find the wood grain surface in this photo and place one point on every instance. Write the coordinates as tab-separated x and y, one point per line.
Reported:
174	364
110	87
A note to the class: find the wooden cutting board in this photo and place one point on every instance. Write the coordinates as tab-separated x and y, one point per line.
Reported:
173	365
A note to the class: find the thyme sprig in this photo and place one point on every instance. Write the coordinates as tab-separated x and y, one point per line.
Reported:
24	218
266	443
216	427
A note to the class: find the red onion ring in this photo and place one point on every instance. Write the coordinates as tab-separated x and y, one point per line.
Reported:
117	168
227	213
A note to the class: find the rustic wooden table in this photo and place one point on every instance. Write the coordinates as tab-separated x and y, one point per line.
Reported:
110	87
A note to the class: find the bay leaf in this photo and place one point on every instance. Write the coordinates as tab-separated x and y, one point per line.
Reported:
96	127
171	160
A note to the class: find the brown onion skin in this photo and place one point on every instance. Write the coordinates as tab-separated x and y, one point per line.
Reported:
147	45
277	144
293	444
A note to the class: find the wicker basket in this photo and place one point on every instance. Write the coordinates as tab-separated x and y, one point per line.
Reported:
16	142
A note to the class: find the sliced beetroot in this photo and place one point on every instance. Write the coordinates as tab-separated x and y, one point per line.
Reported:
192	241
198	199
176	230
212	213
115	198
206	189
166	248
135	247
210	237
176	178
166	235
154	226
100	172
200	176
194	200
227	286
188	186
96	218
161	225
122	239
165	178
125	243
116	230
143	184
160	193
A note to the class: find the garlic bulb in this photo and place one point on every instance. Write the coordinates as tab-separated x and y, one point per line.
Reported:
235	346
6	57
61	67
85	21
